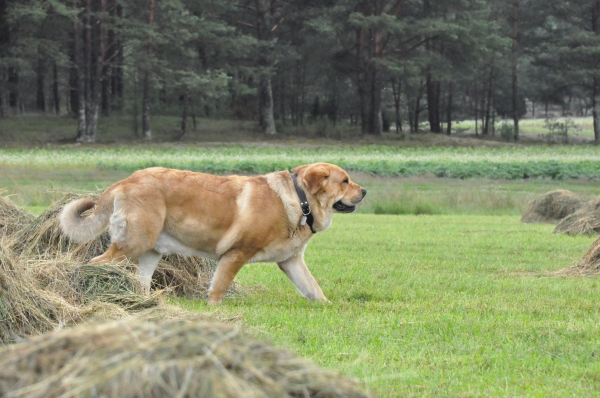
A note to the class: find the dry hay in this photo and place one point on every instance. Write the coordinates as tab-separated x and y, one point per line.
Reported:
585	221
46	281
175	358
24	308
181	275
551	207
12	217
44	236
38	295
589	265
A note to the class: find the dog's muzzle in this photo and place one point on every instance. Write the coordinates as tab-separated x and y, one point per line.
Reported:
344	208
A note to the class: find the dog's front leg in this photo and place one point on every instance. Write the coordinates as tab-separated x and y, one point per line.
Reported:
295	268
229	265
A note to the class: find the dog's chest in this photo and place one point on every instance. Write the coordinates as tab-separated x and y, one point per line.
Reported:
282	250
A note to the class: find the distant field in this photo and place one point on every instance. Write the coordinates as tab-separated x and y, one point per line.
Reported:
578	126
555	162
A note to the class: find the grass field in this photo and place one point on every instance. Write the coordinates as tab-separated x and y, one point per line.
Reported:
456	301
437	306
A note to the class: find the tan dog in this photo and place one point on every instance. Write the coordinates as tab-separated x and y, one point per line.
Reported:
235	219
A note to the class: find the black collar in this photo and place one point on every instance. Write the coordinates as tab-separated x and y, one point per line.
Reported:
307	216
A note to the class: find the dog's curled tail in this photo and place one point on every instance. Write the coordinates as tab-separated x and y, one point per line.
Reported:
82	229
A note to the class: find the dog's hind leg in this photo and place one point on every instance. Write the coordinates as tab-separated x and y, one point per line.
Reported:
147	263
229	265
295	268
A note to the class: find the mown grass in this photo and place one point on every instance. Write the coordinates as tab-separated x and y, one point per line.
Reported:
559	163
437	305
459	303
36	189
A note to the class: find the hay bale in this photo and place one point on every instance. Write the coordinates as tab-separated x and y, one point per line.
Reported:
82	284
12	217
180	275
175	358
585	221
24	308
551	207
589	265
44	235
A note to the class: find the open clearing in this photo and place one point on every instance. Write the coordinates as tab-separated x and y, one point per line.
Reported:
437	305
456	302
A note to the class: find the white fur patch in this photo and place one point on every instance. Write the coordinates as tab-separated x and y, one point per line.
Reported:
286	192
166	244
79	229
118	223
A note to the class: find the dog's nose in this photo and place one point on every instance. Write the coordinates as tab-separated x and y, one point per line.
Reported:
364	192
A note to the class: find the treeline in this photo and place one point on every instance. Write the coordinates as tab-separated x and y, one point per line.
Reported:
376	63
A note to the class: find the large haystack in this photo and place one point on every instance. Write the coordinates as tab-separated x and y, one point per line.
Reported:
12	217
551	207
176	358
38	295
585	221
186	276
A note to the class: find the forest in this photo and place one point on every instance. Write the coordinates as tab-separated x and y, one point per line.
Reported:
404	65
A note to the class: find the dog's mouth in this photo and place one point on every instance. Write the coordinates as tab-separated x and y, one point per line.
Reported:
342	208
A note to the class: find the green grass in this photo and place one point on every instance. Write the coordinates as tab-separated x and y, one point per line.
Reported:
560	162
436	305
458	303
36	188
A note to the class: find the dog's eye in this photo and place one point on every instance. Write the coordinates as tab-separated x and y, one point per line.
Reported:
345	181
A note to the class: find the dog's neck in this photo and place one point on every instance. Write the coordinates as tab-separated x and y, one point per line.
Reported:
307	216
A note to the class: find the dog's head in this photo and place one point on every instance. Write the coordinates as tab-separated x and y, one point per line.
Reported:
330	185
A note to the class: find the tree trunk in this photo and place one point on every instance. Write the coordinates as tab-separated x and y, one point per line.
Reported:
515	98
78	70
449	110
282	98
184	114
55	93
41	92
267	120
375	121
135	104
14	97
433	103
3	95
488	107
147	133
596	80
264	33
396	91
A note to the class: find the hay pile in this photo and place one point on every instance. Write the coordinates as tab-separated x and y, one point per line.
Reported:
168	359
585	221
589	265
12	217
184	276
24	308
47	283
551	207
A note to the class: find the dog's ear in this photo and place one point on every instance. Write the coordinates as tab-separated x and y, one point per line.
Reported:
315	178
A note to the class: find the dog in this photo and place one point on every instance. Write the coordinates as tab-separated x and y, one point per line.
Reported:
234	220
